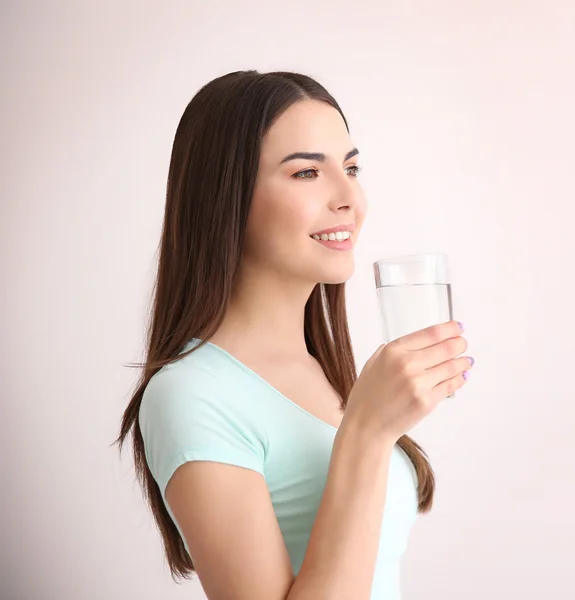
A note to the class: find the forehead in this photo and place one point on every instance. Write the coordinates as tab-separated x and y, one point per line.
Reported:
306	126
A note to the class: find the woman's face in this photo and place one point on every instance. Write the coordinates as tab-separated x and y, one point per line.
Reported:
300	196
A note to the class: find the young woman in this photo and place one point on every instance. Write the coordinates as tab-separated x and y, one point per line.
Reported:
271	469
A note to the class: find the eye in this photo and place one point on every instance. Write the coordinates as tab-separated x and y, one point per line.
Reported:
304	174
355	170
352	170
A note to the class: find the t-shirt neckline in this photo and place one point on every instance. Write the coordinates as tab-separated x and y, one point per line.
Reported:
259	378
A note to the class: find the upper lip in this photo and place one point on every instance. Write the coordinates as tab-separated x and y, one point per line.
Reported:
349	228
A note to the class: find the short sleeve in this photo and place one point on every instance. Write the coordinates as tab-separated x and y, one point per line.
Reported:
185	416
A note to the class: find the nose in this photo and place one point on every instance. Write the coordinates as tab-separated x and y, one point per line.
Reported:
345	195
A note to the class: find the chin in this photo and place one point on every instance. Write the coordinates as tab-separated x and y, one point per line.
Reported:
335	274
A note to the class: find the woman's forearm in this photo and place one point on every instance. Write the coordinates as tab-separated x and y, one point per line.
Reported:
340	560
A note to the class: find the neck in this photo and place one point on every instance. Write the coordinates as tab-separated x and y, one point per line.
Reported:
266	314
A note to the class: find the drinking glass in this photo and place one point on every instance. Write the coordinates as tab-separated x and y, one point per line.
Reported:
413	292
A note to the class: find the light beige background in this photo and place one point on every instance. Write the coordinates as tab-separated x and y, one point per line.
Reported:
464	115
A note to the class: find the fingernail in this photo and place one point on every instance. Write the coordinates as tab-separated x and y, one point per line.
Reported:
466	375
471	360
460	325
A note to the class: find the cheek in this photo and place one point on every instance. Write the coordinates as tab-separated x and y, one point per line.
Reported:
279	224
283	210
360	209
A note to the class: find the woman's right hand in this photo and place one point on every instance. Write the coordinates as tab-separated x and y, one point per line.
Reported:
406	379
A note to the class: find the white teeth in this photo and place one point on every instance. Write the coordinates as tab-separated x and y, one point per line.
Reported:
340	236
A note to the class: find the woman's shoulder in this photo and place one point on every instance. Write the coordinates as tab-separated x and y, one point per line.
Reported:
188	412
198	372
199	381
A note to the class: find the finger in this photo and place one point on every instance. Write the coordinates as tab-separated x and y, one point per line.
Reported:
448	370
446	388
437	354
429	336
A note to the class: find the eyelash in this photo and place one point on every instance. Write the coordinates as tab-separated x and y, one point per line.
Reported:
356	169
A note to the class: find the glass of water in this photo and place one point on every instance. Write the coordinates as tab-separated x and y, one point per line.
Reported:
413	292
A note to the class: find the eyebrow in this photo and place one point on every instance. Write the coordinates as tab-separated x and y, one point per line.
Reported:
319	156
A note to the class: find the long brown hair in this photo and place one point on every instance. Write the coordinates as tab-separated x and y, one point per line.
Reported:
212	172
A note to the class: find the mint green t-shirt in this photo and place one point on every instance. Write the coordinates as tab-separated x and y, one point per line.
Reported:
211	407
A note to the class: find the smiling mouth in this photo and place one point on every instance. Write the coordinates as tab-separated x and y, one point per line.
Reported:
333	243
339	236
347	229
